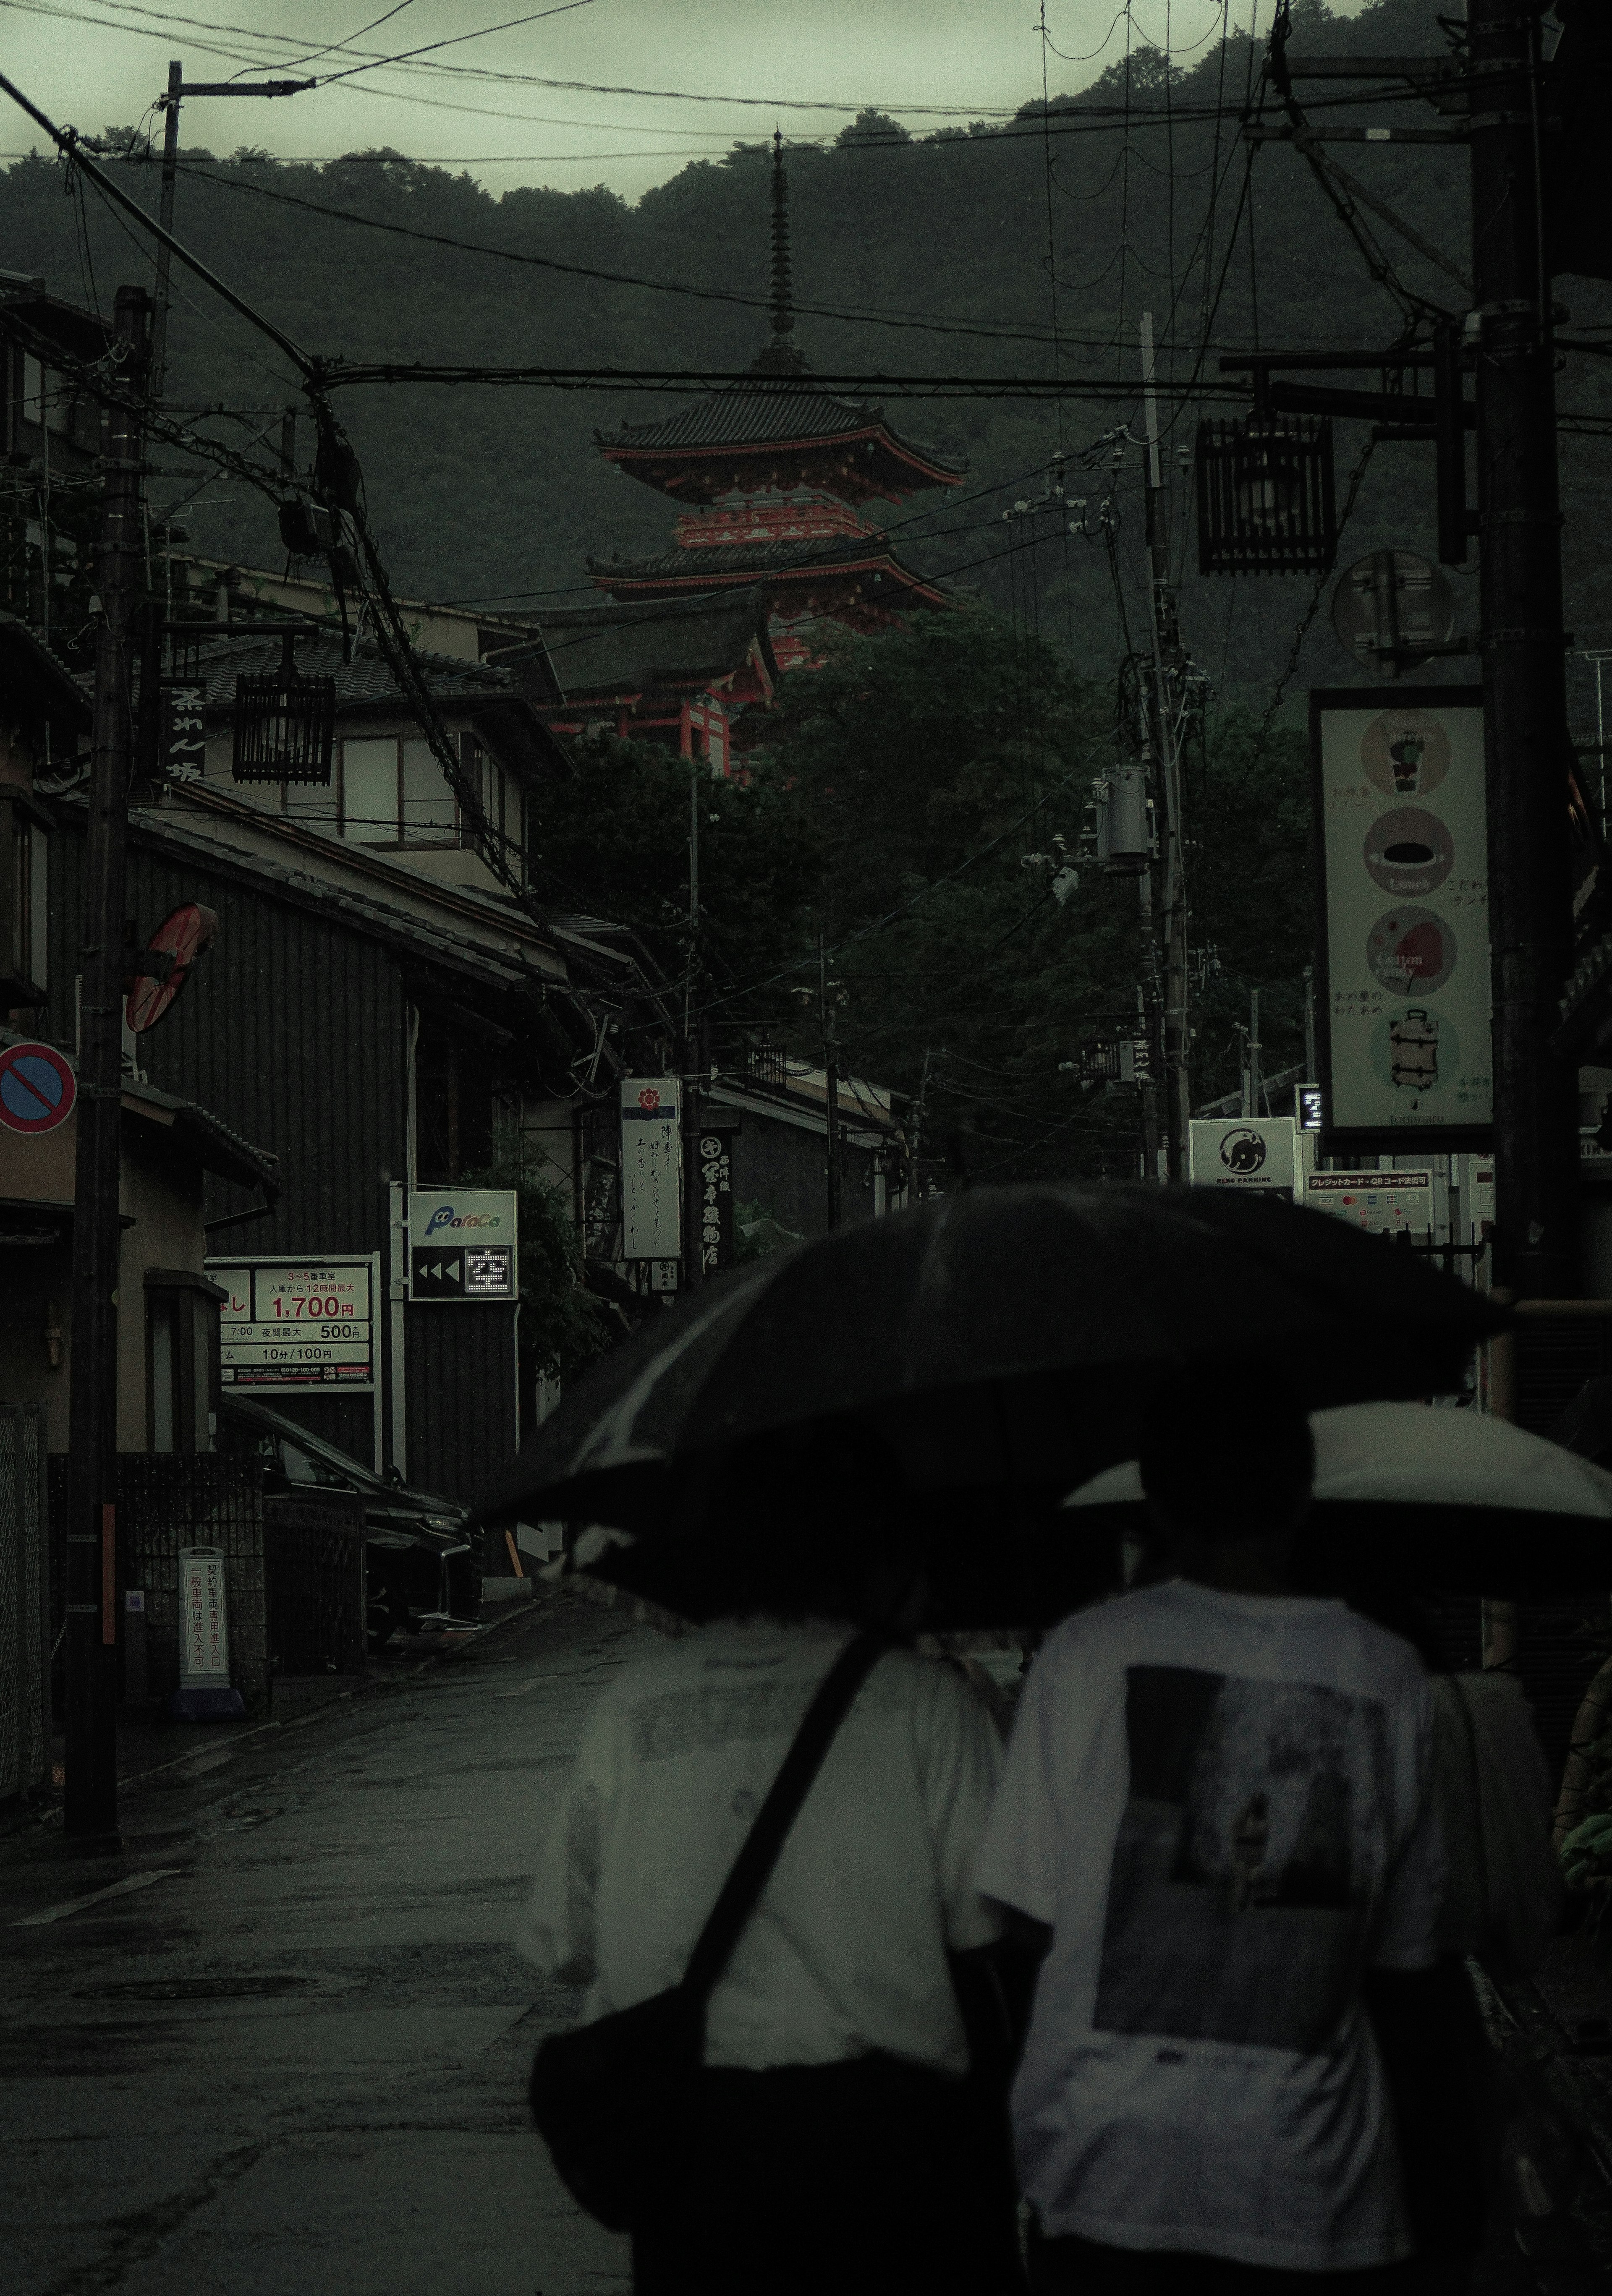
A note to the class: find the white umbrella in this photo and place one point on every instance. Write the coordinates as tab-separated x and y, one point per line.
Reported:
1462	1498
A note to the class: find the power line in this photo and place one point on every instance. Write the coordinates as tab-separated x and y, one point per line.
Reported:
870	382
585	271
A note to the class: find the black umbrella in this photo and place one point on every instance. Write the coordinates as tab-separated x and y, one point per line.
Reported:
1002	1342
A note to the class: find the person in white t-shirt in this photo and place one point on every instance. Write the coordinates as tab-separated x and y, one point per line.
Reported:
1214	1818
832	2140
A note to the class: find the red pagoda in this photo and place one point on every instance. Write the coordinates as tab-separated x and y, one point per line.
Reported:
774	473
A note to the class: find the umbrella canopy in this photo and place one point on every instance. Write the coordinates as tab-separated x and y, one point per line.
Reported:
1001	1340
1453	1500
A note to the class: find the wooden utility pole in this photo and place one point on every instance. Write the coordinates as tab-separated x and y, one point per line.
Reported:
1172	914
694	1244
165	216
1526	735
831	1070
91	1780
170	104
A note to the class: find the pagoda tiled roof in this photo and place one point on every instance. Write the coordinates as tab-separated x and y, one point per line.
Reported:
780	417
765	562
770	414
642	644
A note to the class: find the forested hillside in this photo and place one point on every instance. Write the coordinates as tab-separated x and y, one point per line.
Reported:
485	492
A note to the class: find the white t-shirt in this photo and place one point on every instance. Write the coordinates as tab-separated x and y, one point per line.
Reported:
1220	1803
845	1953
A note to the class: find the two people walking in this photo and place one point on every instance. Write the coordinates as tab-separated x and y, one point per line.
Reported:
1213	1836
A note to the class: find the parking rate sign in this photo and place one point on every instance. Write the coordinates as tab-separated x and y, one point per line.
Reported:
296	1322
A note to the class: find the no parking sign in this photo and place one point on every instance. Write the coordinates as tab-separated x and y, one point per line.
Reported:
37	1089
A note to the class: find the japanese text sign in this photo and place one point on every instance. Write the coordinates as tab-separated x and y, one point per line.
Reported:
716	1198
652	1169
203	1616
297	1322
184	732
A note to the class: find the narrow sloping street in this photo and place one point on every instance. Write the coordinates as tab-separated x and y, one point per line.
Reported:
297	2061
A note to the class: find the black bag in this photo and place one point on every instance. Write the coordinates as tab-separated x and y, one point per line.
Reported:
608	2097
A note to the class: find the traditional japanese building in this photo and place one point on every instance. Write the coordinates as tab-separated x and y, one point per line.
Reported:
772	477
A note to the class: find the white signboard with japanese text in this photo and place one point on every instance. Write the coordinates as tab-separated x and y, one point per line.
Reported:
1243	1152
298	1322
652	1169
1384	1204
1405	1014
463	1244
203	1616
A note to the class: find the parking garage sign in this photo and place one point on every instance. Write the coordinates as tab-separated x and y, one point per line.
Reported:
297	1322
463	1244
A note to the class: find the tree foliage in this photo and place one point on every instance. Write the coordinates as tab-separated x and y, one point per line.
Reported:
948	768
614	839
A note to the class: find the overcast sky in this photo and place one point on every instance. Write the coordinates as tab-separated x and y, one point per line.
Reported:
97	62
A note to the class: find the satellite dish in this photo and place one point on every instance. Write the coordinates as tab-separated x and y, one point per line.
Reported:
181	939
1394	612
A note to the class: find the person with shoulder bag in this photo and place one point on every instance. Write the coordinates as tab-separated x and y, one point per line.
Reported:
761	1870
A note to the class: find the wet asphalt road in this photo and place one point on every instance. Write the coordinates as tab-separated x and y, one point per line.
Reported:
297	2064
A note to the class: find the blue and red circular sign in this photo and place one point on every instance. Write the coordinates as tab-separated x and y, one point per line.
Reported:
37	1089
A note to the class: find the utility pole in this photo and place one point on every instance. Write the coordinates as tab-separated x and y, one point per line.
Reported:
694	1246
919	1107
1146	1091
1525	733
1255	1081
169	106
91	1781
1172	922
831	1069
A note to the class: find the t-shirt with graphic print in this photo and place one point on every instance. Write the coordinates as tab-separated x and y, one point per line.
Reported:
845	1952
1220	1804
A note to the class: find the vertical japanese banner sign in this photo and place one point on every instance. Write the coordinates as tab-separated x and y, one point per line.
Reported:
185	732
203	1618
716	1201
652	1169
1403	836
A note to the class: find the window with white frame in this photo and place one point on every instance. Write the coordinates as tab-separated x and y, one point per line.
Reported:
389	790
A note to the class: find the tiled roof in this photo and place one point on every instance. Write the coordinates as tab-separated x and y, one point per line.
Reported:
644	643
763	561
366	678
768	415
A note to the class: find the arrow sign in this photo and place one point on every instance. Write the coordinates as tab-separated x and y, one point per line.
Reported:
436	1274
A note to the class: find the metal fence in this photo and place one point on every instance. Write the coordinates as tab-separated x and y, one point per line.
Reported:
170	1499
25	1608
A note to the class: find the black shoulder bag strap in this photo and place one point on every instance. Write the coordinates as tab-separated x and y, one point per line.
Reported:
753	1867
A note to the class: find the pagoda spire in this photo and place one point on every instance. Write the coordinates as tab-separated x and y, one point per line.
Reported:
783	285
780	356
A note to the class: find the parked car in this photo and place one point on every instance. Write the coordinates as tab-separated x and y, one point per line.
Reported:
419	1566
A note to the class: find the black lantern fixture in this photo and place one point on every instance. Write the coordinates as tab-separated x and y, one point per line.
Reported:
285	724
1266	503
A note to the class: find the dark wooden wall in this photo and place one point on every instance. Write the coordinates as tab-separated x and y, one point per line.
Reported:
293	1030
461	1395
